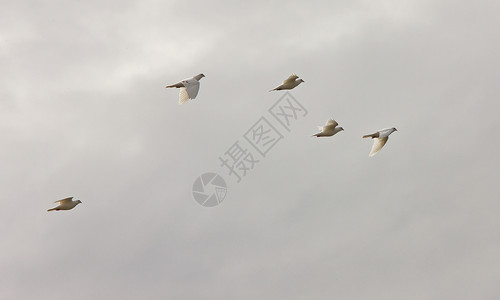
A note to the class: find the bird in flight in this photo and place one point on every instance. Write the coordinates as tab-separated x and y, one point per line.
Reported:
65	204
189	88
289	83
379	139
329	129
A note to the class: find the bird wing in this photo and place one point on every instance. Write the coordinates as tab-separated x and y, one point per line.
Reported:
329	126
290	79
183	95
192	88
189	91
331	122
65	200
378	143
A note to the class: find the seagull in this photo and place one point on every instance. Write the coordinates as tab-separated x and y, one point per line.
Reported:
329	129
189	88
289	83
65	204
379	139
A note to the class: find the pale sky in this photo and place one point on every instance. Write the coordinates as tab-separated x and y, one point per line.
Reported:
84	112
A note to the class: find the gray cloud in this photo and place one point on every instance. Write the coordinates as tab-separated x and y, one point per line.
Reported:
84	113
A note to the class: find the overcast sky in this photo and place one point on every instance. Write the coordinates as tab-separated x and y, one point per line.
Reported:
84	112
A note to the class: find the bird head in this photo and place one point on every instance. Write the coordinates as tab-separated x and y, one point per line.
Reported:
300	80
199	76
394	128
78	201
341	129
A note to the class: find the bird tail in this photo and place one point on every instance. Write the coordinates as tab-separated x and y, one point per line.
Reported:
370	135
316	135
51	209
177	85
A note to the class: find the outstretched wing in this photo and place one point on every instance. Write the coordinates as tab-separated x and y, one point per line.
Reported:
189	91
290	79
332	123
65	200
183	95
378	143
192	89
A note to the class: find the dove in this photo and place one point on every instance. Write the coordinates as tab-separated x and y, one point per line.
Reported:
329	129
379	139
189	88
289	83
65	204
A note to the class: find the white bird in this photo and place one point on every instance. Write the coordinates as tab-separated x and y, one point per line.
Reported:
189	88
379	139
329	129
65	204
289	83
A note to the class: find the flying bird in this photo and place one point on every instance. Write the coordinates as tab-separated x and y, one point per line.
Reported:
329	129
289	83
189	88
379	139
65	204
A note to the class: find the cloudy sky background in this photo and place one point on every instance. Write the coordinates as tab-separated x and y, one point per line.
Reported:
84	113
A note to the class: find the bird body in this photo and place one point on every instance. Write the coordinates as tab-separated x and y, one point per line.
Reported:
379	139
65	204
189	88
329	129
289	83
